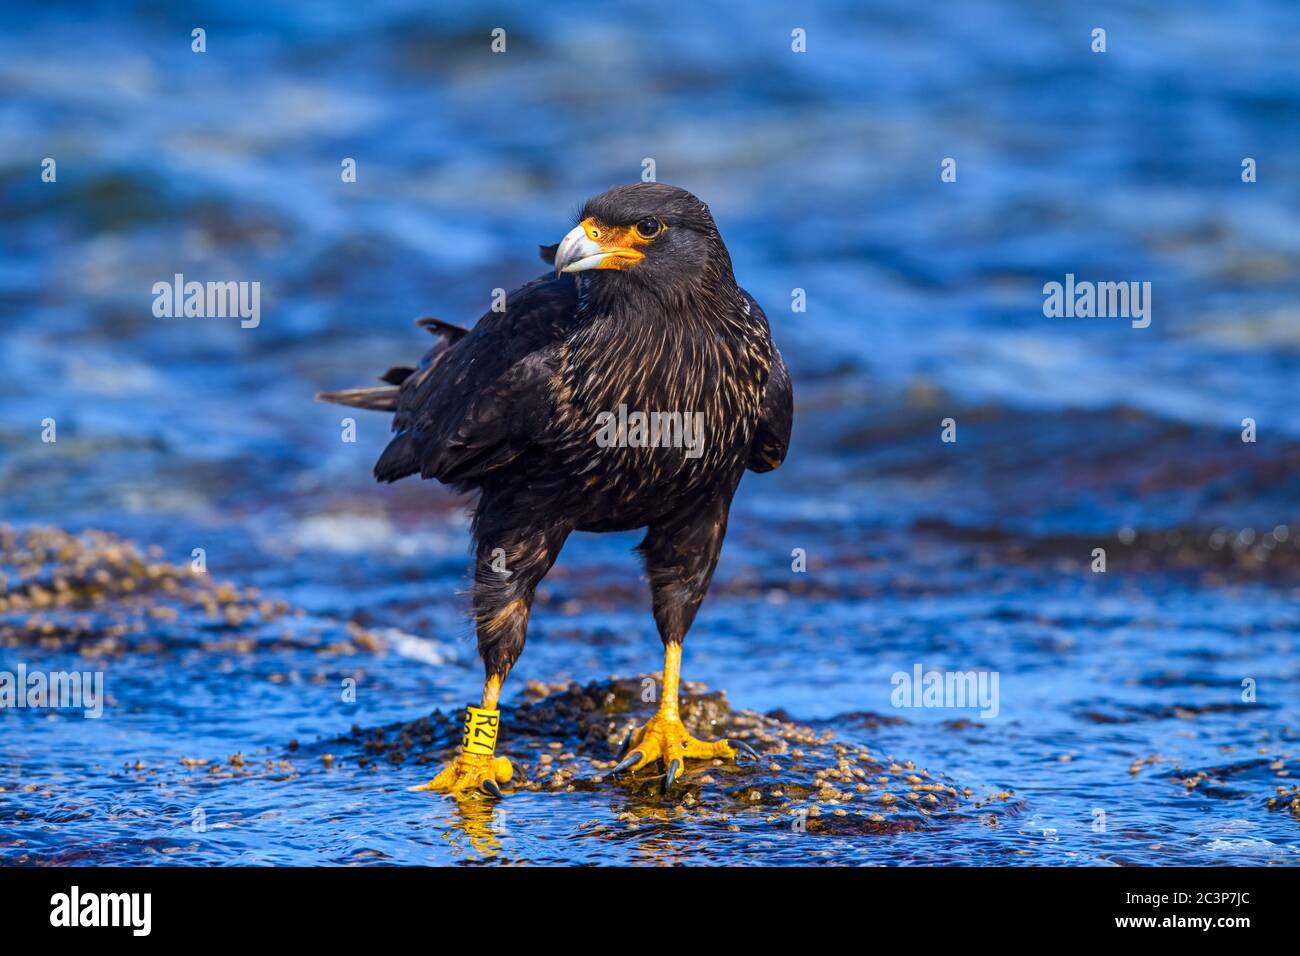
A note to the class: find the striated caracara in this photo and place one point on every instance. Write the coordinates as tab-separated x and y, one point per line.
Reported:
629	389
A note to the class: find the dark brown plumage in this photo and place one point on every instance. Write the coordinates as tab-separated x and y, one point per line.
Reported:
510	409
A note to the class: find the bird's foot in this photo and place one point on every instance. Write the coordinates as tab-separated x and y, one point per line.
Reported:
666	740
472	775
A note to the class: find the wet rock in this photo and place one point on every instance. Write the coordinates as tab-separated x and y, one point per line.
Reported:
1264	779
102	595
564	738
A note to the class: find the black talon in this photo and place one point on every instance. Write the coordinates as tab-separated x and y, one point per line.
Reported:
491	787
674	769
631	758
627	740
743	748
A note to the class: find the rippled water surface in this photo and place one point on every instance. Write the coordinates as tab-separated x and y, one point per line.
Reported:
1147	715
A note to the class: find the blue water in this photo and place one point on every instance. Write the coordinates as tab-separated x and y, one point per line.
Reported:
924	301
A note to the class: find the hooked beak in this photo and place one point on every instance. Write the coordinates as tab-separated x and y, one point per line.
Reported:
590	246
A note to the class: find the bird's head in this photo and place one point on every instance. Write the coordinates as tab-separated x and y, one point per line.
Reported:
646	233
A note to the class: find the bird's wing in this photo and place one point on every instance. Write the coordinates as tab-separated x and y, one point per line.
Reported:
478	404
772	437
383	398
447	335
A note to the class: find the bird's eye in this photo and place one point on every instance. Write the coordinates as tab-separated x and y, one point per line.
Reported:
648	228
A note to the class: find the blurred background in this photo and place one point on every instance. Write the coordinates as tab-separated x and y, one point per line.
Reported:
924	302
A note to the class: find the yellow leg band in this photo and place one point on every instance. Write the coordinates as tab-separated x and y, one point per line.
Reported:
481	726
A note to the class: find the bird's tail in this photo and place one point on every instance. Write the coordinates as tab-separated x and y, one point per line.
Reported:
381	398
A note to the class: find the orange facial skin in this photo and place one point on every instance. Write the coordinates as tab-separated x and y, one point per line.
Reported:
620	242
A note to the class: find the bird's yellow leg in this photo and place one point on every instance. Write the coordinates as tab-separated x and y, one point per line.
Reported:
476	770
665	739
